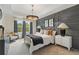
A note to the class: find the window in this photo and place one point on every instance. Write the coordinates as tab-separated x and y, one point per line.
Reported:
20	25
50	22
27	27
46	23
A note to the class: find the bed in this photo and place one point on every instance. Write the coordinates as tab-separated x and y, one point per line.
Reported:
47	39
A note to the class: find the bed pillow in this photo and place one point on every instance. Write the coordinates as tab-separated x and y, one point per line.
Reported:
53	33
42	31
50	32
45	32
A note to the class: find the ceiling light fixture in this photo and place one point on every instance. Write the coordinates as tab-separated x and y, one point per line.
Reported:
32	17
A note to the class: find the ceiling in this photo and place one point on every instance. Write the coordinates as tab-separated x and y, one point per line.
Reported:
41	10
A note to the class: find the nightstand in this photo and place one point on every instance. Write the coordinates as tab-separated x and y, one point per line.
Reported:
65	41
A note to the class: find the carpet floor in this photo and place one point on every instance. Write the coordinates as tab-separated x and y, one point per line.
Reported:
18	48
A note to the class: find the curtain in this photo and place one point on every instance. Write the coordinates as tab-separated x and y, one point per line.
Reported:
31	28
24	29
15	26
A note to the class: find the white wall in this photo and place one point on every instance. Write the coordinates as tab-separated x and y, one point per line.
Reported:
0	22
8	23
7	20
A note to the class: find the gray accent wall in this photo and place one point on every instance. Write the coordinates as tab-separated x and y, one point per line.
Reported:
70	17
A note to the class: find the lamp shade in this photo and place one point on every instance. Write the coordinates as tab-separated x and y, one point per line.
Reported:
63	26
38	27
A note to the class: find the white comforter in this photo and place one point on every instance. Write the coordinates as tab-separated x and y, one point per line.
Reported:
46	39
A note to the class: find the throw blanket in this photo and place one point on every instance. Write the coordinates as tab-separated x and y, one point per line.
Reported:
36	39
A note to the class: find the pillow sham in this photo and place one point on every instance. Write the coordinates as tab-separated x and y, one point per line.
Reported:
54	33
46	32
50	32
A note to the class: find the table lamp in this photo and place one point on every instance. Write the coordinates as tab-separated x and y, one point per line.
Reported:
63	28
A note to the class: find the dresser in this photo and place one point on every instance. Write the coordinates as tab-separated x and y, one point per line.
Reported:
65	41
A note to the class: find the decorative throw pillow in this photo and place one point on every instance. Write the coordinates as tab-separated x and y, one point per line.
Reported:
50	32
46	32
54	33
